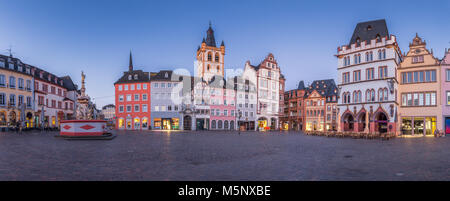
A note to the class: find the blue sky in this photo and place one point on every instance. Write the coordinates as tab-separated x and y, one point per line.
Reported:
67	36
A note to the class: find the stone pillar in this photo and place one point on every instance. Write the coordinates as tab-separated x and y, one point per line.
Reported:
339	126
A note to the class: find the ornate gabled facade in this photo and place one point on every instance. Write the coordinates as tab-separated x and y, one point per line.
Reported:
419	90
268	88
320	100
367	79
210	58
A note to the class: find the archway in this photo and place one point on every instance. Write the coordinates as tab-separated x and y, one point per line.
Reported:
361	119
187	122
348	122
381	121
225	125
232	125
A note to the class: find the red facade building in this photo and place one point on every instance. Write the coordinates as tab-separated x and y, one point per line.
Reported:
132	99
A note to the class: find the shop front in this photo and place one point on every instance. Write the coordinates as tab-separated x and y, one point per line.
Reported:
166	123
418	126
262	124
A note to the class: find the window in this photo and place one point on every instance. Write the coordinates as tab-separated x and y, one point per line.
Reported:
448	98
155	85
12	99
382	72
128	97
447	73
2	81
209	56
345	77
163	85
144	97
356	75
144	86
20	83
136	97
225	112
370	74
126	87
28	87
3	99
138	86
420	99
120	108
132	87
144	108
120	87
12	82
120	98
417	59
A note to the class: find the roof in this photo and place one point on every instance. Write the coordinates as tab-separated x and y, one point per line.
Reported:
301	85
210	40
366	31
68	83
164	75
133	77
326	88
109	105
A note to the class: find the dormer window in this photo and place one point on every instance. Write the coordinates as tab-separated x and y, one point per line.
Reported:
378	38
129	77
369	28
19	68
135	76
166	75
358	40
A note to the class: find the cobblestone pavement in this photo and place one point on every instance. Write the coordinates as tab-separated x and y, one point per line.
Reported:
209	155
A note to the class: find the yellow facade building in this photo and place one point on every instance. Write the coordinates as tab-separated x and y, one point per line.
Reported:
16	94
419	91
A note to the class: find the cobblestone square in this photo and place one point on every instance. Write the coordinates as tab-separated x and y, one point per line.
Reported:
208	155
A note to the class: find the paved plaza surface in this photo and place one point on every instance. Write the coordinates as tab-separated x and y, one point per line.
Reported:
209	155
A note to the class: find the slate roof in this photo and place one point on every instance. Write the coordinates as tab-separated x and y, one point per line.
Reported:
325	88
109	105
301	85
68	83
141	77
367	31
210	40
164	75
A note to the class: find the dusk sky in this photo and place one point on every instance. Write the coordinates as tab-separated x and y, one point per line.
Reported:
96	36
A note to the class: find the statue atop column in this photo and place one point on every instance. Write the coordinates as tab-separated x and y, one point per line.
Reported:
85	107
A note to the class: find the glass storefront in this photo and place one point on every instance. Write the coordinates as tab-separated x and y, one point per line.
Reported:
166	123
144	123
157	123
121	123
430	123
418	125
175	123
407	126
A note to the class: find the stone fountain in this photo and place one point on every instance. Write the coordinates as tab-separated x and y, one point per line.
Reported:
86	125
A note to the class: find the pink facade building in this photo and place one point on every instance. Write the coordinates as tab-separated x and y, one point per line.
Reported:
445	89
222	105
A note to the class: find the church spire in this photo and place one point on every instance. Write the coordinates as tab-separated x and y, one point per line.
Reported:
210	40
131	62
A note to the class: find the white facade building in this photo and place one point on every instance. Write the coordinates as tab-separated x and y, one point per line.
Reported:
367	69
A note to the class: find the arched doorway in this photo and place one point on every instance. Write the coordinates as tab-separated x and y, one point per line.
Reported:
2	118
232	125
381	121
361	121
187	122
225	125
348	122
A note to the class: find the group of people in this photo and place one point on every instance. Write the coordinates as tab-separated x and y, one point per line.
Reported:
438	133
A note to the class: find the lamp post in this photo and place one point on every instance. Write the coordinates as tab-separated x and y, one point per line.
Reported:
239	121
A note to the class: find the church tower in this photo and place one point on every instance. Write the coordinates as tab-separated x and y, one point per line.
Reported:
210	58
